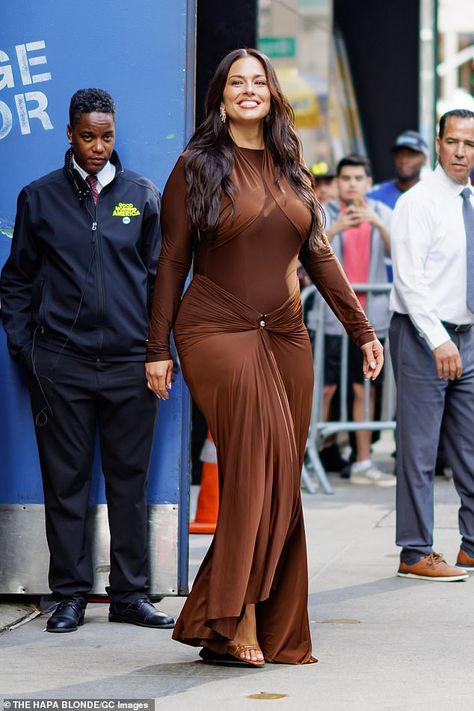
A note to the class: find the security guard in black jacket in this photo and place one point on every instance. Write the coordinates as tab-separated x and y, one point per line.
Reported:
75	296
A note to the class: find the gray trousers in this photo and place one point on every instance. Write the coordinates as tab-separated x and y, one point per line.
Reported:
429	409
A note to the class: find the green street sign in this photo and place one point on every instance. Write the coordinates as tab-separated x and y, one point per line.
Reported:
278	46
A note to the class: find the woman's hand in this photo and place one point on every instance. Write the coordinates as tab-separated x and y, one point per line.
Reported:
158	376
373	359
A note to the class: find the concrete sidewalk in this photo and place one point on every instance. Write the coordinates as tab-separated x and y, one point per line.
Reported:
382	642
14	612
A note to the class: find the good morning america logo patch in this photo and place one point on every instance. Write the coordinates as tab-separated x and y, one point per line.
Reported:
125	210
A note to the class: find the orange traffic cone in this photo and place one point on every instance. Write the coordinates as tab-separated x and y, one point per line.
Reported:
208	500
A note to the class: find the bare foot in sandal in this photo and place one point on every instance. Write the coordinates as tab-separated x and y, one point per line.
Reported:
244	646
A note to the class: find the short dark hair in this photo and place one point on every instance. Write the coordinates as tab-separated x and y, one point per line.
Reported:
87	101
460	113
355	159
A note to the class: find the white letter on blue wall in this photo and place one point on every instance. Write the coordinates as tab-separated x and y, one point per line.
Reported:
6	73
6	119
38	112
25	62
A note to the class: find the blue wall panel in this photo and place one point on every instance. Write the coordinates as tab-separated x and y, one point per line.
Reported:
142	53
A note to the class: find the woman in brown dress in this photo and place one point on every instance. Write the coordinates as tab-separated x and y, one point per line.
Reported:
240	201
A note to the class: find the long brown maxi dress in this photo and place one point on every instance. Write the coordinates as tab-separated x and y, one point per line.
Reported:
246	357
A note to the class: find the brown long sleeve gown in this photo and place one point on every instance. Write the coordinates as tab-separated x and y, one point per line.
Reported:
246	358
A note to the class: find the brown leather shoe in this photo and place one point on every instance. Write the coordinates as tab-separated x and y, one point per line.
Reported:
432	567
466	561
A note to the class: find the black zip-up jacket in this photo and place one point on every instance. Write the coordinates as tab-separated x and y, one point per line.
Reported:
79	278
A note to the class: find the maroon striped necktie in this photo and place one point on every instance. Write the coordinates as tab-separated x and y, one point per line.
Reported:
92	183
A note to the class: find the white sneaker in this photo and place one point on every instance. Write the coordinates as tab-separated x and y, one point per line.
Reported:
372	475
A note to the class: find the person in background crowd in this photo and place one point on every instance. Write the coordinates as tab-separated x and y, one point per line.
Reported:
241	201
410	152
324	182
432	346
75	296
358	230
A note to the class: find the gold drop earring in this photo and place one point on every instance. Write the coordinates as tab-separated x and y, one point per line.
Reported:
223	113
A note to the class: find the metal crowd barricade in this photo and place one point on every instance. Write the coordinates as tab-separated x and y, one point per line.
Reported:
314	475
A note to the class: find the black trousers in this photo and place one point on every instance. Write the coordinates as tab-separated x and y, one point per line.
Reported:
72	398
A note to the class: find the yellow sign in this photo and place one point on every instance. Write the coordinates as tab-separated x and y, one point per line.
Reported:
125	209
301	97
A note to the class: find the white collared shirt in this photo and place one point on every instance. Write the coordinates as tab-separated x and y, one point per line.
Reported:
104	177
429	256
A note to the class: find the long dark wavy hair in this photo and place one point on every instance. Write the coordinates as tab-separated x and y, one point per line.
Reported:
211	152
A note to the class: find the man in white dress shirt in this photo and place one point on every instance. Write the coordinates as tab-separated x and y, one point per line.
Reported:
432	346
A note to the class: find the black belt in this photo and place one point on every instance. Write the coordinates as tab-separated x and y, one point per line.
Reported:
457	327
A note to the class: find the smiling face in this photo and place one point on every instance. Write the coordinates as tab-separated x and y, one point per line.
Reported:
92	140
455	148
246	97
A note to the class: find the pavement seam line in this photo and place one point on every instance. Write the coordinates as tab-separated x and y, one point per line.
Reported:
21	621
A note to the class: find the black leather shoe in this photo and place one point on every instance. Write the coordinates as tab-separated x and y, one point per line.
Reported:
140	612
68	615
